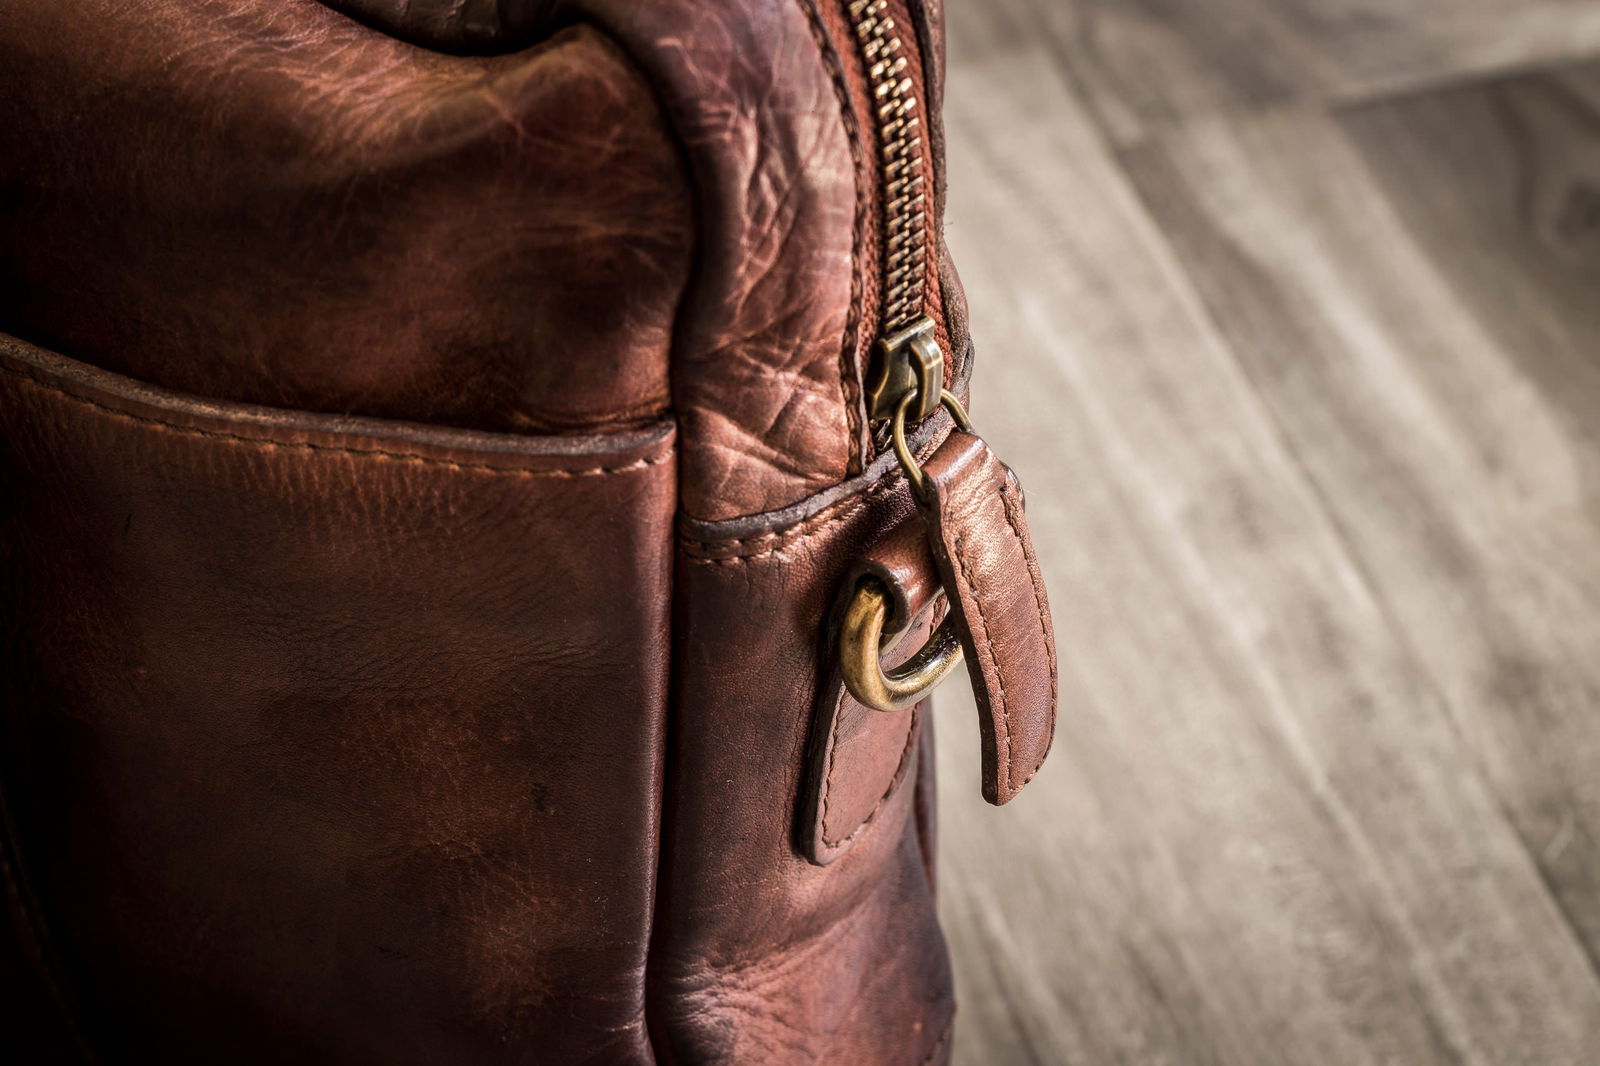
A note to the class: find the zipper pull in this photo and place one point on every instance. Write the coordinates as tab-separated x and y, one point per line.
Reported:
973	514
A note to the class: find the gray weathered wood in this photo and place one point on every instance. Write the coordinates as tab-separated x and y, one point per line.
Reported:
1145	63
1324	551
1415	289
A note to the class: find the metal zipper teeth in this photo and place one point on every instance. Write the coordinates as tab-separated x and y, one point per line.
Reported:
900	144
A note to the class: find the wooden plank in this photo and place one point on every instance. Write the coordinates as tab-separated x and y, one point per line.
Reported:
1415	289
1145	64
1261	838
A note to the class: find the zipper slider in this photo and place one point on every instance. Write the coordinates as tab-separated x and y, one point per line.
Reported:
909	364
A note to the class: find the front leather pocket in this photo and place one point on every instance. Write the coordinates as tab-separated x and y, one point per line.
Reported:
309	722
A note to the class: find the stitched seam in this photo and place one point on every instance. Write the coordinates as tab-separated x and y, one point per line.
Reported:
847	347
801	528
1006	498
846	508
1000	680
33	937
894	782
373	453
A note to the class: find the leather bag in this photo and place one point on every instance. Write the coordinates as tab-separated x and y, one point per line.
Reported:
485	491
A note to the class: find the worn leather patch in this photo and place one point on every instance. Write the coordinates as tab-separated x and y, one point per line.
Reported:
979	535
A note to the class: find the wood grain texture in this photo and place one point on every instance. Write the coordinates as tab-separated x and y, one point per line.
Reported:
1307	408
1415	291
1144	64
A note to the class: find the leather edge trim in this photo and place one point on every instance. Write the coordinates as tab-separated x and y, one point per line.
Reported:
1011	501
254	423
895	781
940	1045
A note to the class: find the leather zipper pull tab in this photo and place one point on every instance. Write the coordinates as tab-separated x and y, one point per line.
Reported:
977	527
977	532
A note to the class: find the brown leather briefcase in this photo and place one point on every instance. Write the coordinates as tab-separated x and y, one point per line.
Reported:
484	493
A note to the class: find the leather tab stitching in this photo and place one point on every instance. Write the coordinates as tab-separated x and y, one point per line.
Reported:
989	658
889	790
1011	504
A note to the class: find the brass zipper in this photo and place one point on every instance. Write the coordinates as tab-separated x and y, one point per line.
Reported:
906	385
908	362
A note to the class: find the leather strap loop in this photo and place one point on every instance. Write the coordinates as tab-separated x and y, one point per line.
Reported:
979	535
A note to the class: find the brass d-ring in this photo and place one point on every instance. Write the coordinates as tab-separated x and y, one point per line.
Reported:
861	655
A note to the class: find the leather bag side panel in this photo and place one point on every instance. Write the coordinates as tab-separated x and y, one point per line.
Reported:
332	740
762	955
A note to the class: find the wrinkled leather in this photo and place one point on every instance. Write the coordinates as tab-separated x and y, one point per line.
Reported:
330	740
979	532
767	374
260	200
774	109
769	402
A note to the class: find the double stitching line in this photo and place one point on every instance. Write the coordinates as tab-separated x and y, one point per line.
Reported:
1012	506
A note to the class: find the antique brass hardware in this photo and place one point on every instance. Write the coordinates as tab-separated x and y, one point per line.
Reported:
861	643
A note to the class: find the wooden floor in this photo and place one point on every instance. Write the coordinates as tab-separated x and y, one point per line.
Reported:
1289	318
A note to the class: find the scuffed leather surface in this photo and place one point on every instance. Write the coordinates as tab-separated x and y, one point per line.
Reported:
261	200
718	114
979	533
771	102
760	955
765	381
331	740
857	756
